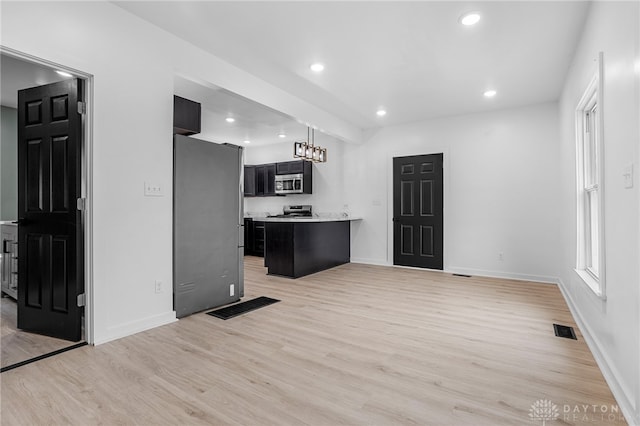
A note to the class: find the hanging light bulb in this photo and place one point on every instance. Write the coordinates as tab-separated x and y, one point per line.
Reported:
308	151
323	155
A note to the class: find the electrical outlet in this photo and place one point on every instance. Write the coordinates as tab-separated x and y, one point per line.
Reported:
232	289
627	173
500	256
158	286
153	189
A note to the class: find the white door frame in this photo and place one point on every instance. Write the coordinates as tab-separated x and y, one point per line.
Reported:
408	152
87	178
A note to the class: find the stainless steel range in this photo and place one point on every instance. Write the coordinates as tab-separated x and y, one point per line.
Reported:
295	211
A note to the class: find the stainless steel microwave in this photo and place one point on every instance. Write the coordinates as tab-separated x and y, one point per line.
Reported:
289	184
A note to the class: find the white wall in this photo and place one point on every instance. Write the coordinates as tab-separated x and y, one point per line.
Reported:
8	163
133	64
501	194
328	193
612	326
501	176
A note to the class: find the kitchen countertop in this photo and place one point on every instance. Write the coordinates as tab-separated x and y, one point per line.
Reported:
304	219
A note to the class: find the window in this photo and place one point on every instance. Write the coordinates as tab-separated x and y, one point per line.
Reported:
590	241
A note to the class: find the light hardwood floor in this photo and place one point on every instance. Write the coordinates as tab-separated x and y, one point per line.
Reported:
17	345
356	344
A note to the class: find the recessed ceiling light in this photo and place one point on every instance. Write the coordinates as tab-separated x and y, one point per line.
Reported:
381	113
282	135
490	93
247	141
317	67
64	74
230	119
470	18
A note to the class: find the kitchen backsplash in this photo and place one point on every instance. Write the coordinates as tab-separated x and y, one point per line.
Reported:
275	205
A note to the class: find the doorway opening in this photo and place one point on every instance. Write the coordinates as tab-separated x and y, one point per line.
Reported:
418	211
45	271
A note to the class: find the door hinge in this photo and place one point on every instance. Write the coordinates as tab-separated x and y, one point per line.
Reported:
81	300
82	107
81	204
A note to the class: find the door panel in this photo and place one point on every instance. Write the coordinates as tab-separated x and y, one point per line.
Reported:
35	275
35	174
50	241
426	197
426	241
59	174
406	198
418	211
406	243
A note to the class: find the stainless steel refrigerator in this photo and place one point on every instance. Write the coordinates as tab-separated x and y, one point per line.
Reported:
208	225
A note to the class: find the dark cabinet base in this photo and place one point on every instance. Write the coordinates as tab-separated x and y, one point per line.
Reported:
253	237
296	249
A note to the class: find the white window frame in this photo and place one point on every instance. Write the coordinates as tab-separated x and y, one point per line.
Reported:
590	266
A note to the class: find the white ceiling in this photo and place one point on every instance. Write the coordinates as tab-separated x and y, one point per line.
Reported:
412	58
254	122
16	74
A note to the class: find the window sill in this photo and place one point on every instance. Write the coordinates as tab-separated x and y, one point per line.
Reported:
593	284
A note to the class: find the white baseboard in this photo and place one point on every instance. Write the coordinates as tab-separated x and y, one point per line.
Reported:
466	271
127	329
610	373
376	262
506	275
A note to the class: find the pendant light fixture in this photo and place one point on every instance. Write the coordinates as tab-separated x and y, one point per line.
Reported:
308	151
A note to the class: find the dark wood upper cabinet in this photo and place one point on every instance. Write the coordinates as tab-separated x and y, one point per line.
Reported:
290	167
270	179
265	179
260	180
186	116
249	181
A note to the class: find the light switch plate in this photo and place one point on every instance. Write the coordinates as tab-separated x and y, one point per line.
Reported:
153	189
627	173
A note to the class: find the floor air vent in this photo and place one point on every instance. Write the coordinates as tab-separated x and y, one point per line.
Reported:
564	331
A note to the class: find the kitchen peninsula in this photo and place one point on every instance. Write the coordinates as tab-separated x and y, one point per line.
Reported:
299	246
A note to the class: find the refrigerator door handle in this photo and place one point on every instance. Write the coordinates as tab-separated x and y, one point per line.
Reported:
241	188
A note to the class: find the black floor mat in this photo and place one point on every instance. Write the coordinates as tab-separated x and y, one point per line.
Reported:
242	308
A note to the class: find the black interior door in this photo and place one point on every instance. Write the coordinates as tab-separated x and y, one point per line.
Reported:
50	242
418	211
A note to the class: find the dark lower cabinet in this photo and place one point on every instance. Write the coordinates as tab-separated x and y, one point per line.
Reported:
258	238
254	237
296	249
248	236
